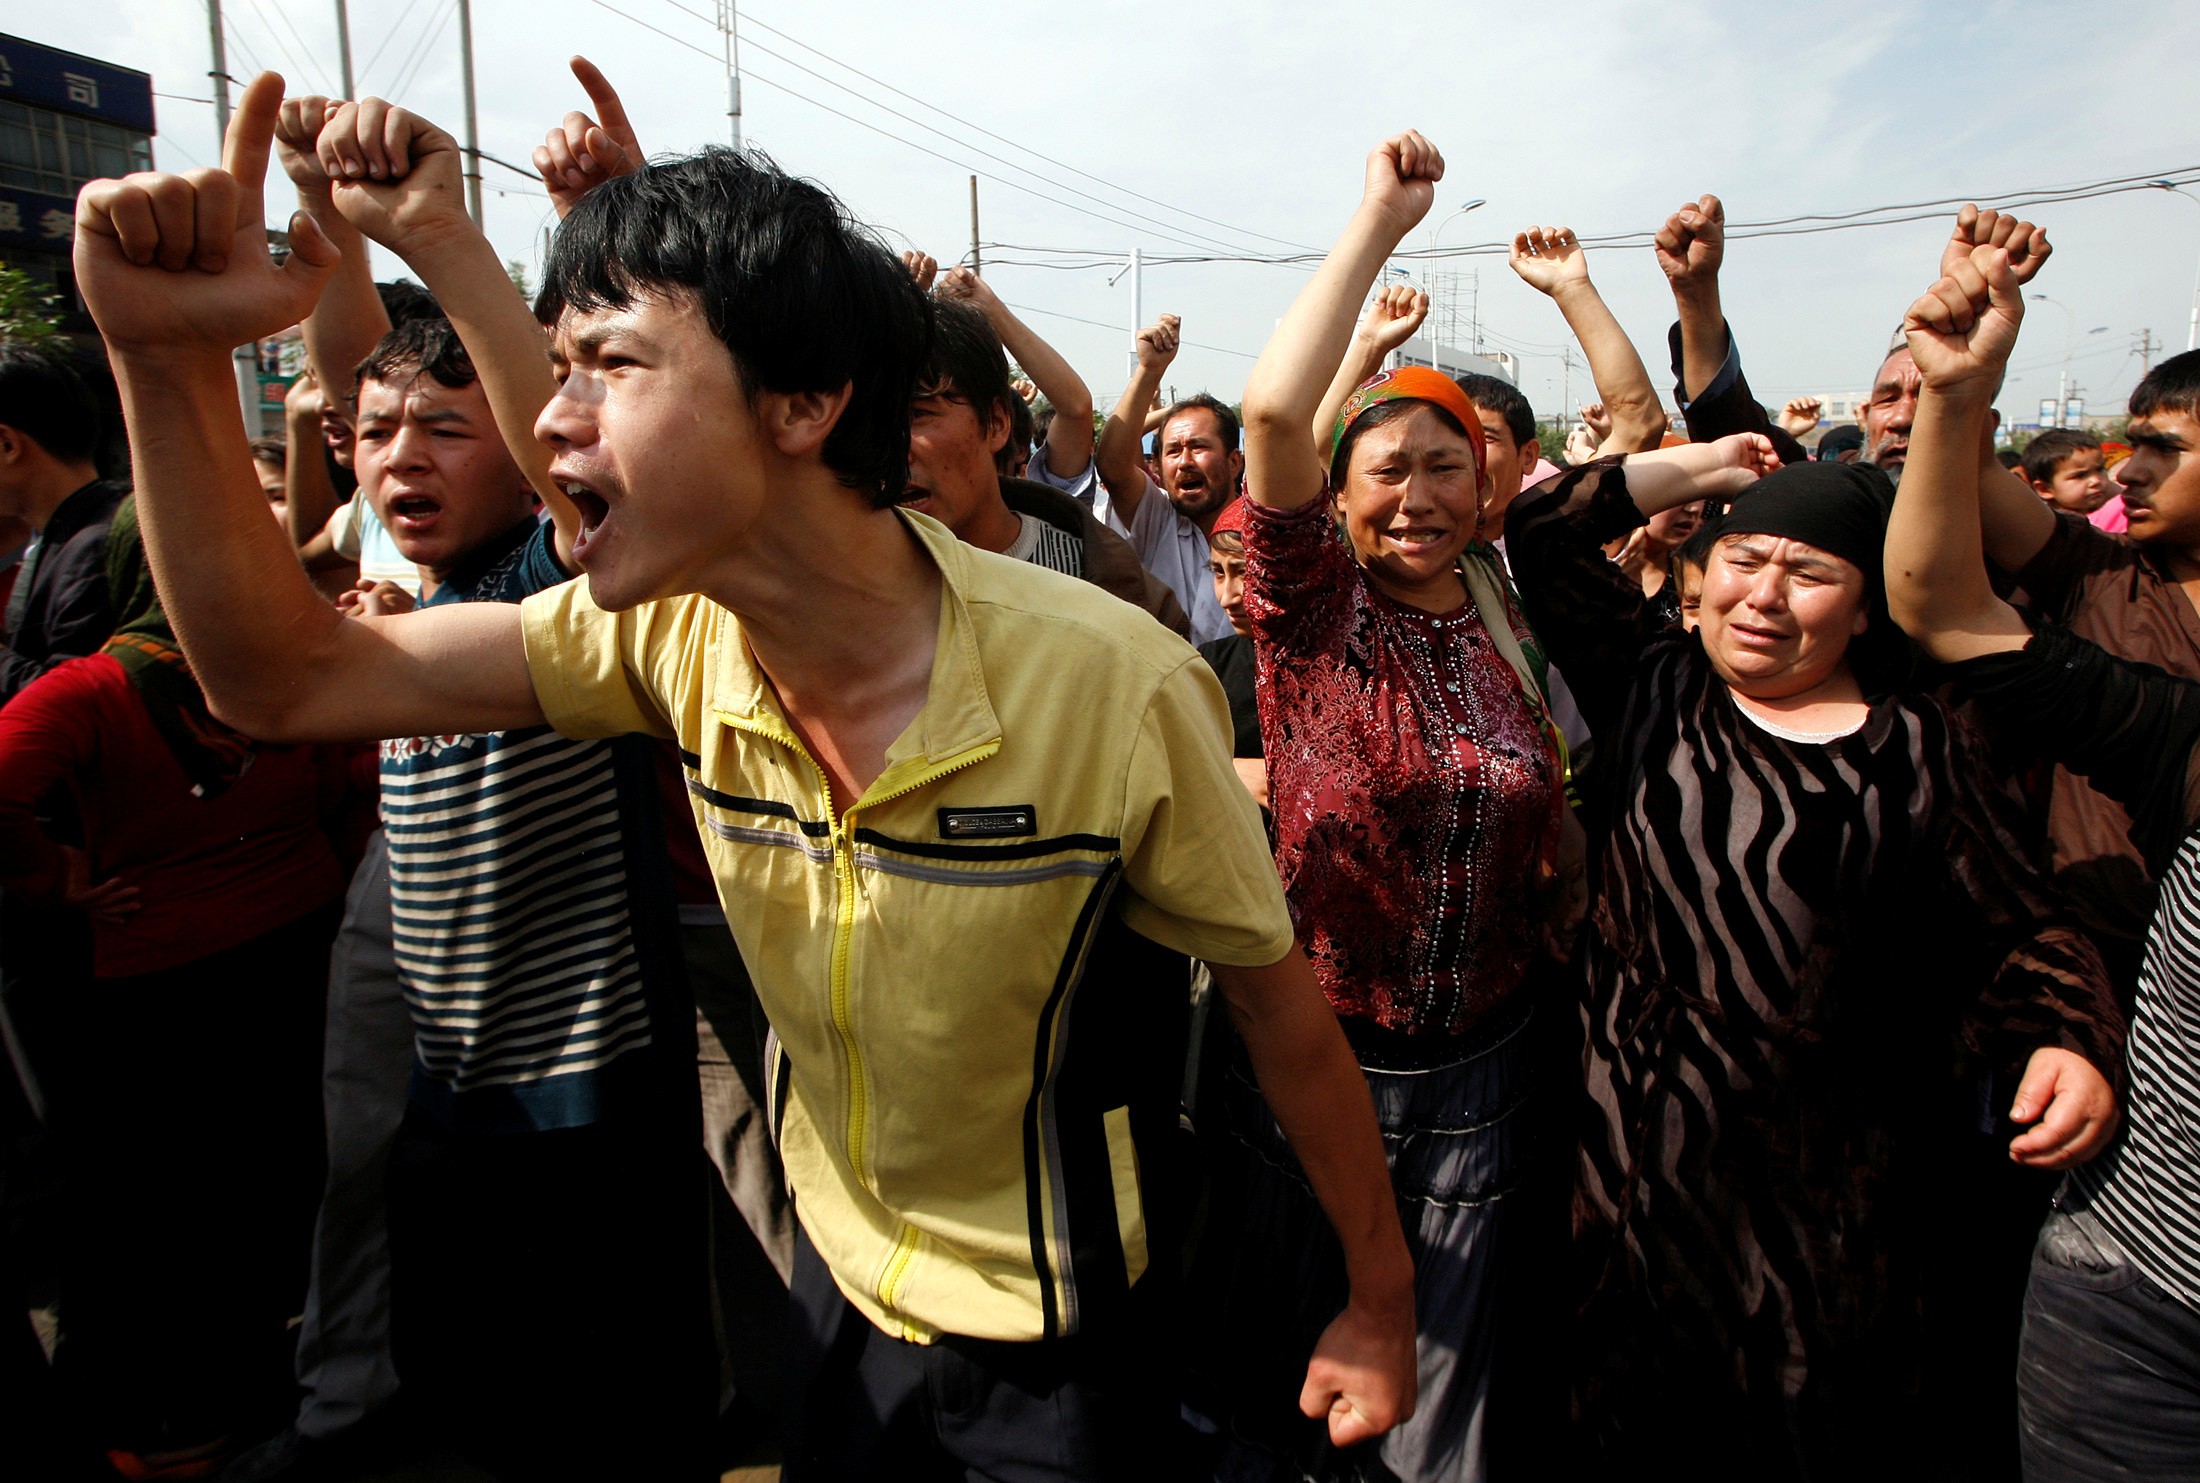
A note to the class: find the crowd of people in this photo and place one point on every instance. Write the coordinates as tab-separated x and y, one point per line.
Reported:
738	867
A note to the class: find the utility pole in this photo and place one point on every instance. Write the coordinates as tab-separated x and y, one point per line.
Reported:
727	20
1566	397
1138	307
343	48
977	263
473	134
2145	349
220	74
244	360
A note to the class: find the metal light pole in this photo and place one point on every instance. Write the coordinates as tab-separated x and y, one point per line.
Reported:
473	134
343	48
2070	335
2192	327
727	21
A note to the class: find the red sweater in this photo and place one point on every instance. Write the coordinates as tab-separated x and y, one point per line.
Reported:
211	873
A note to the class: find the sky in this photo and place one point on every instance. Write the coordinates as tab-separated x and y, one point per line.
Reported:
1246	122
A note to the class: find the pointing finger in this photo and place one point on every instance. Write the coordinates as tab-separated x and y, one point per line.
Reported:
245	147
609	109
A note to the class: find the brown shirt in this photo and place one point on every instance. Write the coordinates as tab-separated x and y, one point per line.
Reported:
2119	596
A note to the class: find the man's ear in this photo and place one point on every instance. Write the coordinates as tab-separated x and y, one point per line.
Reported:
799	422
1237	464
13	445
998	426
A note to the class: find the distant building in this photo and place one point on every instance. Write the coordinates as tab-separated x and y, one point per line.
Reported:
64	120
1422	351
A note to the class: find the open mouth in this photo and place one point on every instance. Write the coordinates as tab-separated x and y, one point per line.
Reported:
1415	539
917	497
412	513
593	509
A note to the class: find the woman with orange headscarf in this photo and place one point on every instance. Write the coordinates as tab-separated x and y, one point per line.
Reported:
1418	791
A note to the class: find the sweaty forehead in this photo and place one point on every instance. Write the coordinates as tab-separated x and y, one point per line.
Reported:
420	395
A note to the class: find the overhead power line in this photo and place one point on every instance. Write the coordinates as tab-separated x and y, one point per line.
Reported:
905	143
752	22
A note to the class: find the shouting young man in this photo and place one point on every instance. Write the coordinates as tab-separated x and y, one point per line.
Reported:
955	879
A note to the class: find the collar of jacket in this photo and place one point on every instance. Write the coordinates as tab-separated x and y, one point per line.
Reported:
958	713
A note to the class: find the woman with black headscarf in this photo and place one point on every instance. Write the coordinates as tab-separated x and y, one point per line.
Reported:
1813	917
184	1095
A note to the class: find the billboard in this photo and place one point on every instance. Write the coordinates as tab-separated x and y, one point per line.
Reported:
42	77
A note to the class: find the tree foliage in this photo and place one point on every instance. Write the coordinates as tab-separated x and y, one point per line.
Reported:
29	311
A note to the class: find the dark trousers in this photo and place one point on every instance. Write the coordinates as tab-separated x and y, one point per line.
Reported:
190	1128
549	1297
2108	1379
1095	1407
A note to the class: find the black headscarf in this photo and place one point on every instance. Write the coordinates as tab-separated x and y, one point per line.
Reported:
1837	507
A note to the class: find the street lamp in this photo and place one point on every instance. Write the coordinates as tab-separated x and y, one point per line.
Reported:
1438	230
2192	328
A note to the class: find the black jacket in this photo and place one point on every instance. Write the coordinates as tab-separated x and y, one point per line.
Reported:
69	612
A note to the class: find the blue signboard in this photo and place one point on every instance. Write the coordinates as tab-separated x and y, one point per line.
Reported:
67	83
39	222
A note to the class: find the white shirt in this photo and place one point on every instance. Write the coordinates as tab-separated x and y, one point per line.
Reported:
1168	545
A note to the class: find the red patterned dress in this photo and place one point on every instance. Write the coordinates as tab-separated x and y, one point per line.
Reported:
1415	790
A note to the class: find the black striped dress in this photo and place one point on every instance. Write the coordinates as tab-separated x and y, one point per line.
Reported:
1795	953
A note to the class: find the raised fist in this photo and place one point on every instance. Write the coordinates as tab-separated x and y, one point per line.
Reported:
1549	259
1962	329
397	176
923	267
2026	244
581	154
1158	343
297	135
1402	172
1596	419
1692	242
180	262
1393	317
961	283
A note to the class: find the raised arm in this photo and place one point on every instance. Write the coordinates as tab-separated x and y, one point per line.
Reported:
399	182
176	271
309	495
2014	521
348	320
1960	333
1690	247
1069	441
1551	261
1121	467
1301	358
1391	318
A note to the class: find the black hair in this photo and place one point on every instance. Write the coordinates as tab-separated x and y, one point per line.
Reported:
1042	422
968	364
2009	458
43	398
418	347
2172	386
1390	411
1696	550
1225	419
405	299
1835	441
1015	454
271	451
803	297
2046	453
1505	399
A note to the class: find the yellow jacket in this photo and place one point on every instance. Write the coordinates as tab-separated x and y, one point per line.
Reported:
972	972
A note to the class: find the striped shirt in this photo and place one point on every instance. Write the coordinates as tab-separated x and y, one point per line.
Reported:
2132	732
510	879
1047	545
